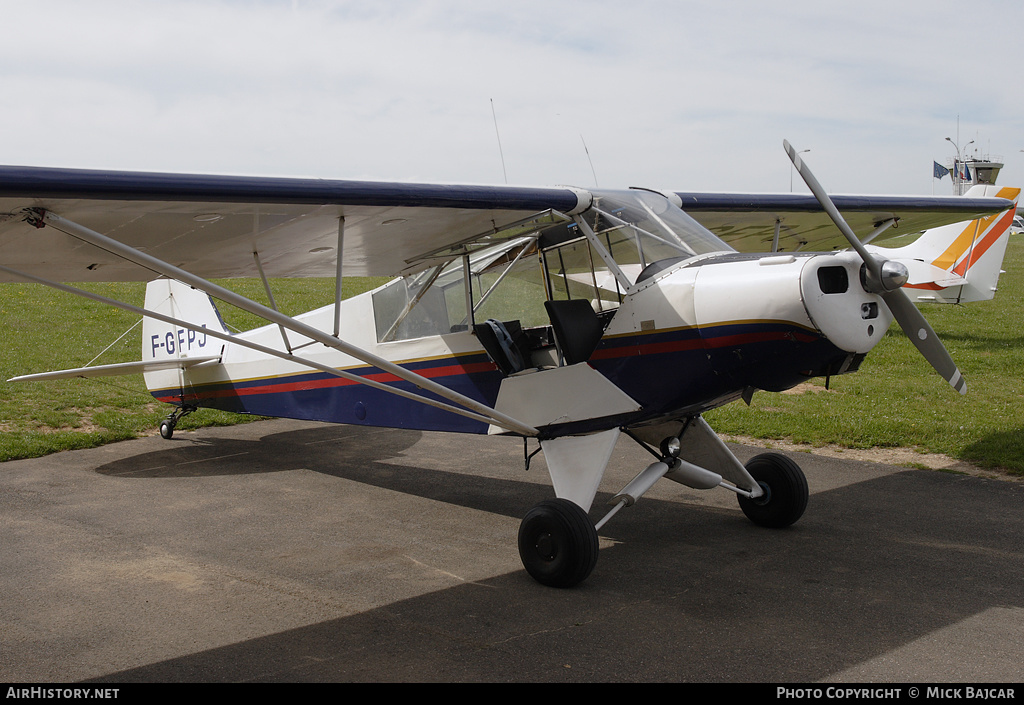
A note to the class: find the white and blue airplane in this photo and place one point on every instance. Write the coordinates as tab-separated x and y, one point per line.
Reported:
566	315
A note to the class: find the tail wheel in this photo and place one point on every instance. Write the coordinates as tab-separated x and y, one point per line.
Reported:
558	543
785	491
168	425
167	429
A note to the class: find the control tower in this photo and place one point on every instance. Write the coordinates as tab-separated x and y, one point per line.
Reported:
971	171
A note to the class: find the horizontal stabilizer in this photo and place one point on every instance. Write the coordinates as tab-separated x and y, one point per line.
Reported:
123	368
924	273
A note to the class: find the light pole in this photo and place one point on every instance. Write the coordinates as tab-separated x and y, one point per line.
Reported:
791	169
956	165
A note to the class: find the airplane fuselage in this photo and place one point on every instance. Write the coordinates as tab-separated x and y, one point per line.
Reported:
690	337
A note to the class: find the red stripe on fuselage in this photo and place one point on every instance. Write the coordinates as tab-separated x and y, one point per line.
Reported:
303	385
631	349
725	341
712	341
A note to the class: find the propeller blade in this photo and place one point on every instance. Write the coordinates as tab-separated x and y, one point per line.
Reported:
833	212
902	308
924	338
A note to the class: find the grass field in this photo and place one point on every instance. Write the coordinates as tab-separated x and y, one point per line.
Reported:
895	400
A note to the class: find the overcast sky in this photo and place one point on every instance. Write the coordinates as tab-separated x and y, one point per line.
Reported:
663	94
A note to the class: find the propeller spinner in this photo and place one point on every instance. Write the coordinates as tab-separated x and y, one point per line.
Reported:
885	277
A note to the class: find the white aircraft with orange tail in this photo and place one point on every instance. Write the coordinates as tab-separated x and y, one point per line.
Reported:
565	315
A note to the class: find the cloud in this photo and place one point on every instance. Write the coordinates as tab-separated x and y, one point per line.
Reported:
667	94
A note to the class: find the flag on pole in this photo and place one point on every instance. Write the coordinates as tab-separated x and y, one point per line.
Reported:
939	171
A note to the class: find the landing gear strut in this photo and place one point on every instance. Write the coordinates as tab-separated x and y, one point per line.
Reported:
168	425
558	542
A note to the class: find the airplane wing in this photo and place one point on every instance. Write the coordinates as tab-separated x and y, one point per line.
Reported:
211	225
747	221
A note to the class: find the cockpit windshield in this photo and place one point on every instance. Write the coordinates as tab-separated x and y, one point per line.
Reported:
508	275
660	227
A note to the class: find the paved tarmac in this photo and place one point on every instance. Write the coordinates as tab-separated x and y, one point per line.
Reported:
288	551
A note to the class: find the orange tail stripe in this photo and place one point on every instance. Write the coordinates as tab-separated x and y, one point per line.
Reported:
986	242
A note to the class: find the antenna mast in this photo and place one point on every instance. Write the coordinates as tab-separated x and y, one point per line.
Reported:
589	159
498	134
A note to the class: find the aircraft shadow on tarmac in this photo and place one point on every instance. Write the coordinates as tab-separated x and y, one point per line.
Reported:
186	456
345	452
682	593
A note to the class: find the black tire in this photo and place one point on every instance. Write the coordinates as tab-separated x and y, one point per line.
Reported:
558	543
166	429
785	486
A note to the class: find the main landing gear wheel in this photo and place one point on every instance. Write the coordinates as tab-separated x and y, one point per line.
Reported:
558	543
785	491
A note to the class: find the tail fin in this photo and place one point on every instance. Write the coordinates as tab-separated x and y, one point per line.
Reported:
167	350
960	262
164	341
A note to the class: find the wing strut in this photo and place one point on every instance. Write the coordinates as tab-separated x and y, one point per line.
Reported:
40	218
270	297
337	277
186	362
